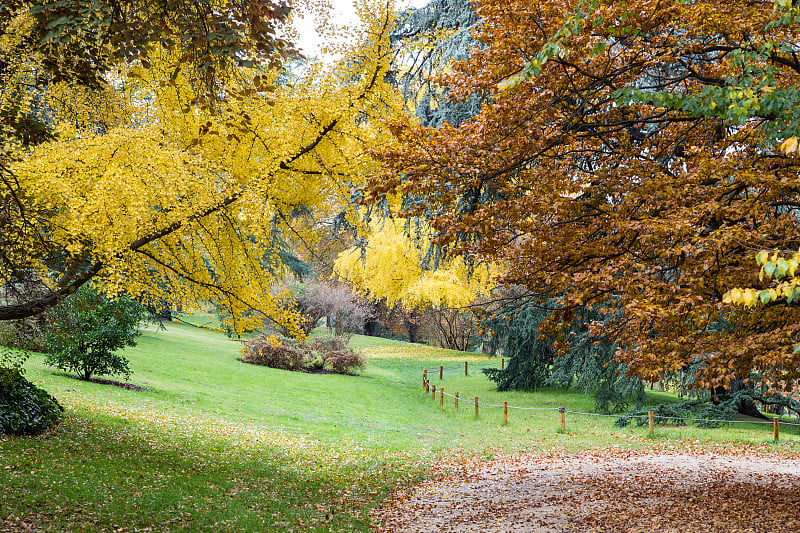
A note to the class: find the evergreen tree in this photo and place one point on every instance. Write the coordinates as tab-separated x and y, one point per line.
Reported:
551	346
433	36
587	362
530	351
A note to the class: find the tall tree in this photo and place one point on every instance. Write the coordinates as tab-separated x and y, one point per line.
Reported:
175	192
626	150
81	41
389	266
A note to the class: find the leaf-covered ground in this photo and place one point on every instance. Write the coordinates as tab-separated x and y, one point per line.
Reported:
666	489
204	442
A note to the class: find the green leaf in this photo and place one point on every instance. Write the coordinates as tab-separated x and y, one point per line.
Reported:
764	296
598	49
769	268
783	268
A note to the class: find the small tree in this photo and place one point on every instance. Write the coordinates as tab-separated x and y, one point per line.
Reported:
304	303
345	311
87	328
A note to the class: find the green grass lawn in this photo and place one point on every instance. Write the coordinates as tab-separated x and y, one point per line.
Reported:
214	444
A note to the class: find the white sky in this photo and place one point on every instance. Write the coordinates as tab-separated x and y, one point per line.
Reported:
343	14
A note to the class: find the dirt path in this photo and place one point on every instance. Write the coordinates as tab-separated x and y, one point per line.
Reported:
658	491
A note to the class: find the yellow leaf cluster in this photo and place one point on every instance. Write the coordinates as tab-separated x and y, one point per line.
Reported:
773	267
177	197
789	145
390	268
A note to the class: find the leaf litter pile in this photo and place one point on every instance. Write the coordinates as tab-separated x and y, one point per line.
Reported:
665	490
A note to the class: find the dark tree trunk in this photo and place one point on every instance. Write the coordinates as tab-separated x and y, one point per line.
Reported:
749	408
413	330
746	406
371	327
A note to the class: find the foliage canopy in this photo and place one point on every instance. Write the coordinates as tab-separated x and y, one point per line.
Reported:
152	187
81	41
626	150
391	266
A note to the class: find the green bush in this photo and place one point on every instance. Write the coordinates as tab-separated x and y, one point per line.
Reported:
25	409
87	328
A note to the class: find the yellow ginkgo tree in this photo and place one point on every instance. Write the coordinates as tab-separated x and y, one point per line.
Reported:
390	267
175	192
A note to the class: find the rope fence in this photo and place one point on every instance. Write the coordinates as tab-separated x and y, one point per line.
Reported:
651	416
442	368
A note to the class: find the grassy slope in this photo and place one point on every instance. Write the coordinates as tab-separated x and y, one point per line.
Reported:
217	445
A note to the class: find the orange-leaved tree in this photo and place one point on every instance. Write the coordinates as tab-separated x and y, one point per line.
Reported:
626	156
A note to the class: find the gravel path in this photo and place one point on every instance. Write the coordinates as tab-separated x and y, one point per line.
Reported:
606	491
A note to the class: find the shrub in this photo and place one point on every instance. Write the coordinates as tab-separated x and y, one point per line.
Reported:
327	344
343	361
25	409
284	354
87	328
289	354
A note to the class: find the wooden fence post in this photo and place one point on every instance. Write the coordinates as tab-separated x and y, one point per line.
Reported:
775	426
433	392
441	369
650	422
505	413
456	401
562	414
502	363
465	368
424	378
441	397
476	407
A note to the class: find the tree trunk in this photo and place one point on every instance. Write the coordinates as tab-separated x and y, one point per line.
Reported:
749	408
745	407
413	330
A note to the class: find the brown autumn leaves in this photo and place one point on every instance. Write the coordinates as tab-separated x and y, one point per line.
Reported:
655	205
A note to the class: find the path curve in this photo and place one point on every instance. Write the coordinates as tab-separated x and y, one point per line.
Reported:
603	491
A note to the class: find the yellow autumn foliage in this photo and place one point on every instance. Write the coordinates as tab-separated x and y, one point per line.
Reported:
390	268
155	191
782	271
